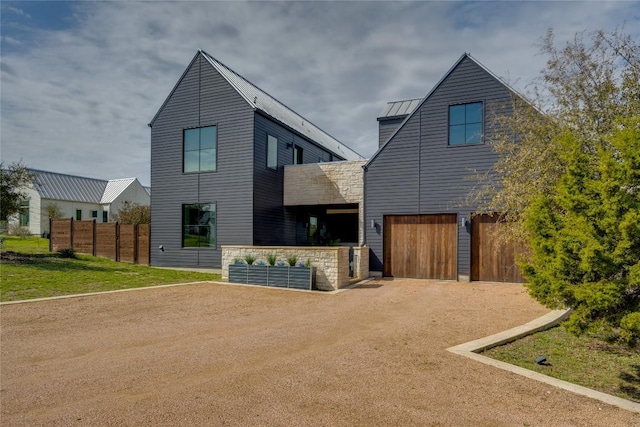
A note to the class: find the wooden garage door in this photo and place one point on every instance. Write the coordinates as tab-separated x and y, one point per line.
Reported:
490	260
420	246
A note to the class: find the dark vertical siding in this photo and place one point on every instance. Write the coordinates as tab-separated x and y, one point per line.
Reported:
202	98
272	223
386	127
445	173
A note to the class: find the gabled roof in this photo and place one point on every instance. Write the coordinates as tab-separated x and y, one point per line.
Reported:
114	188
437	85
59	186
397	109
52	185
259	100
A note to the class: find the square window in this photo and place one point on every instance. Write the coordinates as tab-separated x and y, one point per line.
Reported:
272	152
199	149
466	124
94	214
199	225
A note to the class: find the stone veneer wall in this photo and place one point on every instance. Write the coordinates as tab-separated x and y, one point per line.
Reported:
331	262
332	183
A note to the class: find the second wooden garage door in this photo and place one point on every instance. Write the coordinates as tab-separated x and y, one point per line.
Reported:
492	260
420	246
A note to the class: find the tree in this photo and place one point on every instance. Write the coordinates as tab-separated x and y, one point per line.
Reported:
53	211
14	179
569	182
133	213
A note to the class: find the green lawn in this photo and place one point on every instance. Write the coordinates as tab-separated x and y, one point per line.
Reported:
28	270
584	360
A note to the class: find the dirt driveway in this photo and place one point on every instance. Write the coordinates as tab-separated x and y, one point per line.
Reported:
223	355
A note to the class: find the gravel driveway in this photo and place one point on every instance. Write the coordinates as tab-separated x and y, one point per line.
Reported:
224	355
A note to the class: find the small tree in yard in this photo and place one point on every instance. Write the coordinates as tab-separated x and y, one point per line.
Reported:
53	211
133	213
570	186
13	180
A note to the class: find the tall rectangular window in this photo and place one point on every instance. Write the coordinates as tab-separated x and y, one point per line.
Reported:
105	216
272	152
78	214
24	213
199	225
200	149
465	123
297	155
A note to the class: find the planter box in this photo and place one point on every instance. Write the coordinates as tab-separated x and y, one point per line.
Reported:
273	275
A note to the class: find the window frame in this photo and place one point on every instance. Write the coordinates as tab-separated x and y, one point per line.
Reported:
94	216
465	124
78	214
23	214
213	230
105	216
272	139
200	149
298	152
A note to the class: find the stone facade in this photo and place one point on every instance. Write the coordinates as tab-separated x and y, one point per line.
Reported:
331	262
333	183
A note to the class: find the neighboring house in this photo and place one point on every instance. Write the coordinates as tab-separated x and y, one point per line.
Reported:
219	146
419	223
77	197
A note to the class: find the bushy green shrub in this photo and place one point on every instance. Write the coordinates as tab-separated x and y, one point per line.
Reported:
67	253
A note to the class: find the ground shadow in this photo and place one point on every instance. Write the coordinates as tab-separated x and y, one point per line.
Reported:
631	384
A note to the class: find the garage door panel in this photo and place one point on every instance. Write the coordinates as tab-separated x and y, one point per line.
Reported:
492	260
420	246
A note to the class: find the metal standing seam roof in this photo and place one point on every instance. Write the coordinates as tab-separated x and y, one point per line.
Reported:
58	186
260	100
114	188
399	108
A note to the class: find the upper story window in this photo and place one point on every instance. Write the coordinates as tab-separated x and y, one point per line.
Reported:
297	155
272	152
465	123
200	147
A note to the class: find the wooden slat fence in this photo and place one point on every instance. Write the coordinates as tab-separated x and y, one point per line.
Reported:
119	242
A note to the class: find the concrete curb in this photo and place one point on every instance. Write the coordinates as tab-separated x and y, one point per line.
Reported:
472	348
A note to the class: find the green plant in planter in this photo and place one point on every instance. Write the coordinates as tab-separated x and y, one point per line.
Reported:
249	259
308	263
271	259
238	261
292	260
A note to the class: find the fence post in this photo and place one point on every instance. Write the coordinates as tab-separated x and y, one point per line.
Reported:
135	244
50	234
71	232
117	241
94	237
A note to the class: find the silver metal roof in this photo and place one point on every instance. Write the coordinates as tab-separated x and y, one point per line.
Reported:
114	188
59	186
399	108
260	100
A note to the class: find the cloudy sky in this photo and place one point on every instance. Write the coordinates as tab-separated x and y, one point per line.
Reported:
81	80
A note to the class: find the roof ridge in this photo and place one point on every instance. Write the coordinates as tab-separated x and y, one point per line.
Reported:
67	174
213	61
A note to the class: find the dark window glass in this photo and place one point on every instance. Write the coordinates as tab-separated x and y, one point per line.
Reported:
465	124
297	155
200	149
78	214
94	214
105	216
272	152
24	213
199	225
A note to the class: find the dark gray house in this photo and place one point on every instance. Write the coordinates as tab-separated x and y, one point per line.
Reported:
219	145
418	223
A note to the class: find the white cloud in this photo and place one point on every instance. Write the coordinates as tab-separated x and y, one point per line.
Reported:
78	100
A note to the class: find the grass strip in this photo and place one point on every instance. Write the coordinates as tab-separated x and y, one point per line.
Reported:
584	360
28	271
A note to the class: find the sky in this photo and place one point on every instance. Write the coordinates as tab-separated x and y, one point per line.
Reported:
81	80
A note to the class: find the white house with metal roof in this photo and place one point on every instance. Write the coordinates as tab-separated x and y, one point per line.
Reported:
77	197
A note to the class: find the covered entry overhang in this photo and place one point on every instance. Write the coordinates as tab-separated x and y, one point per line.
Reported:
327	200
